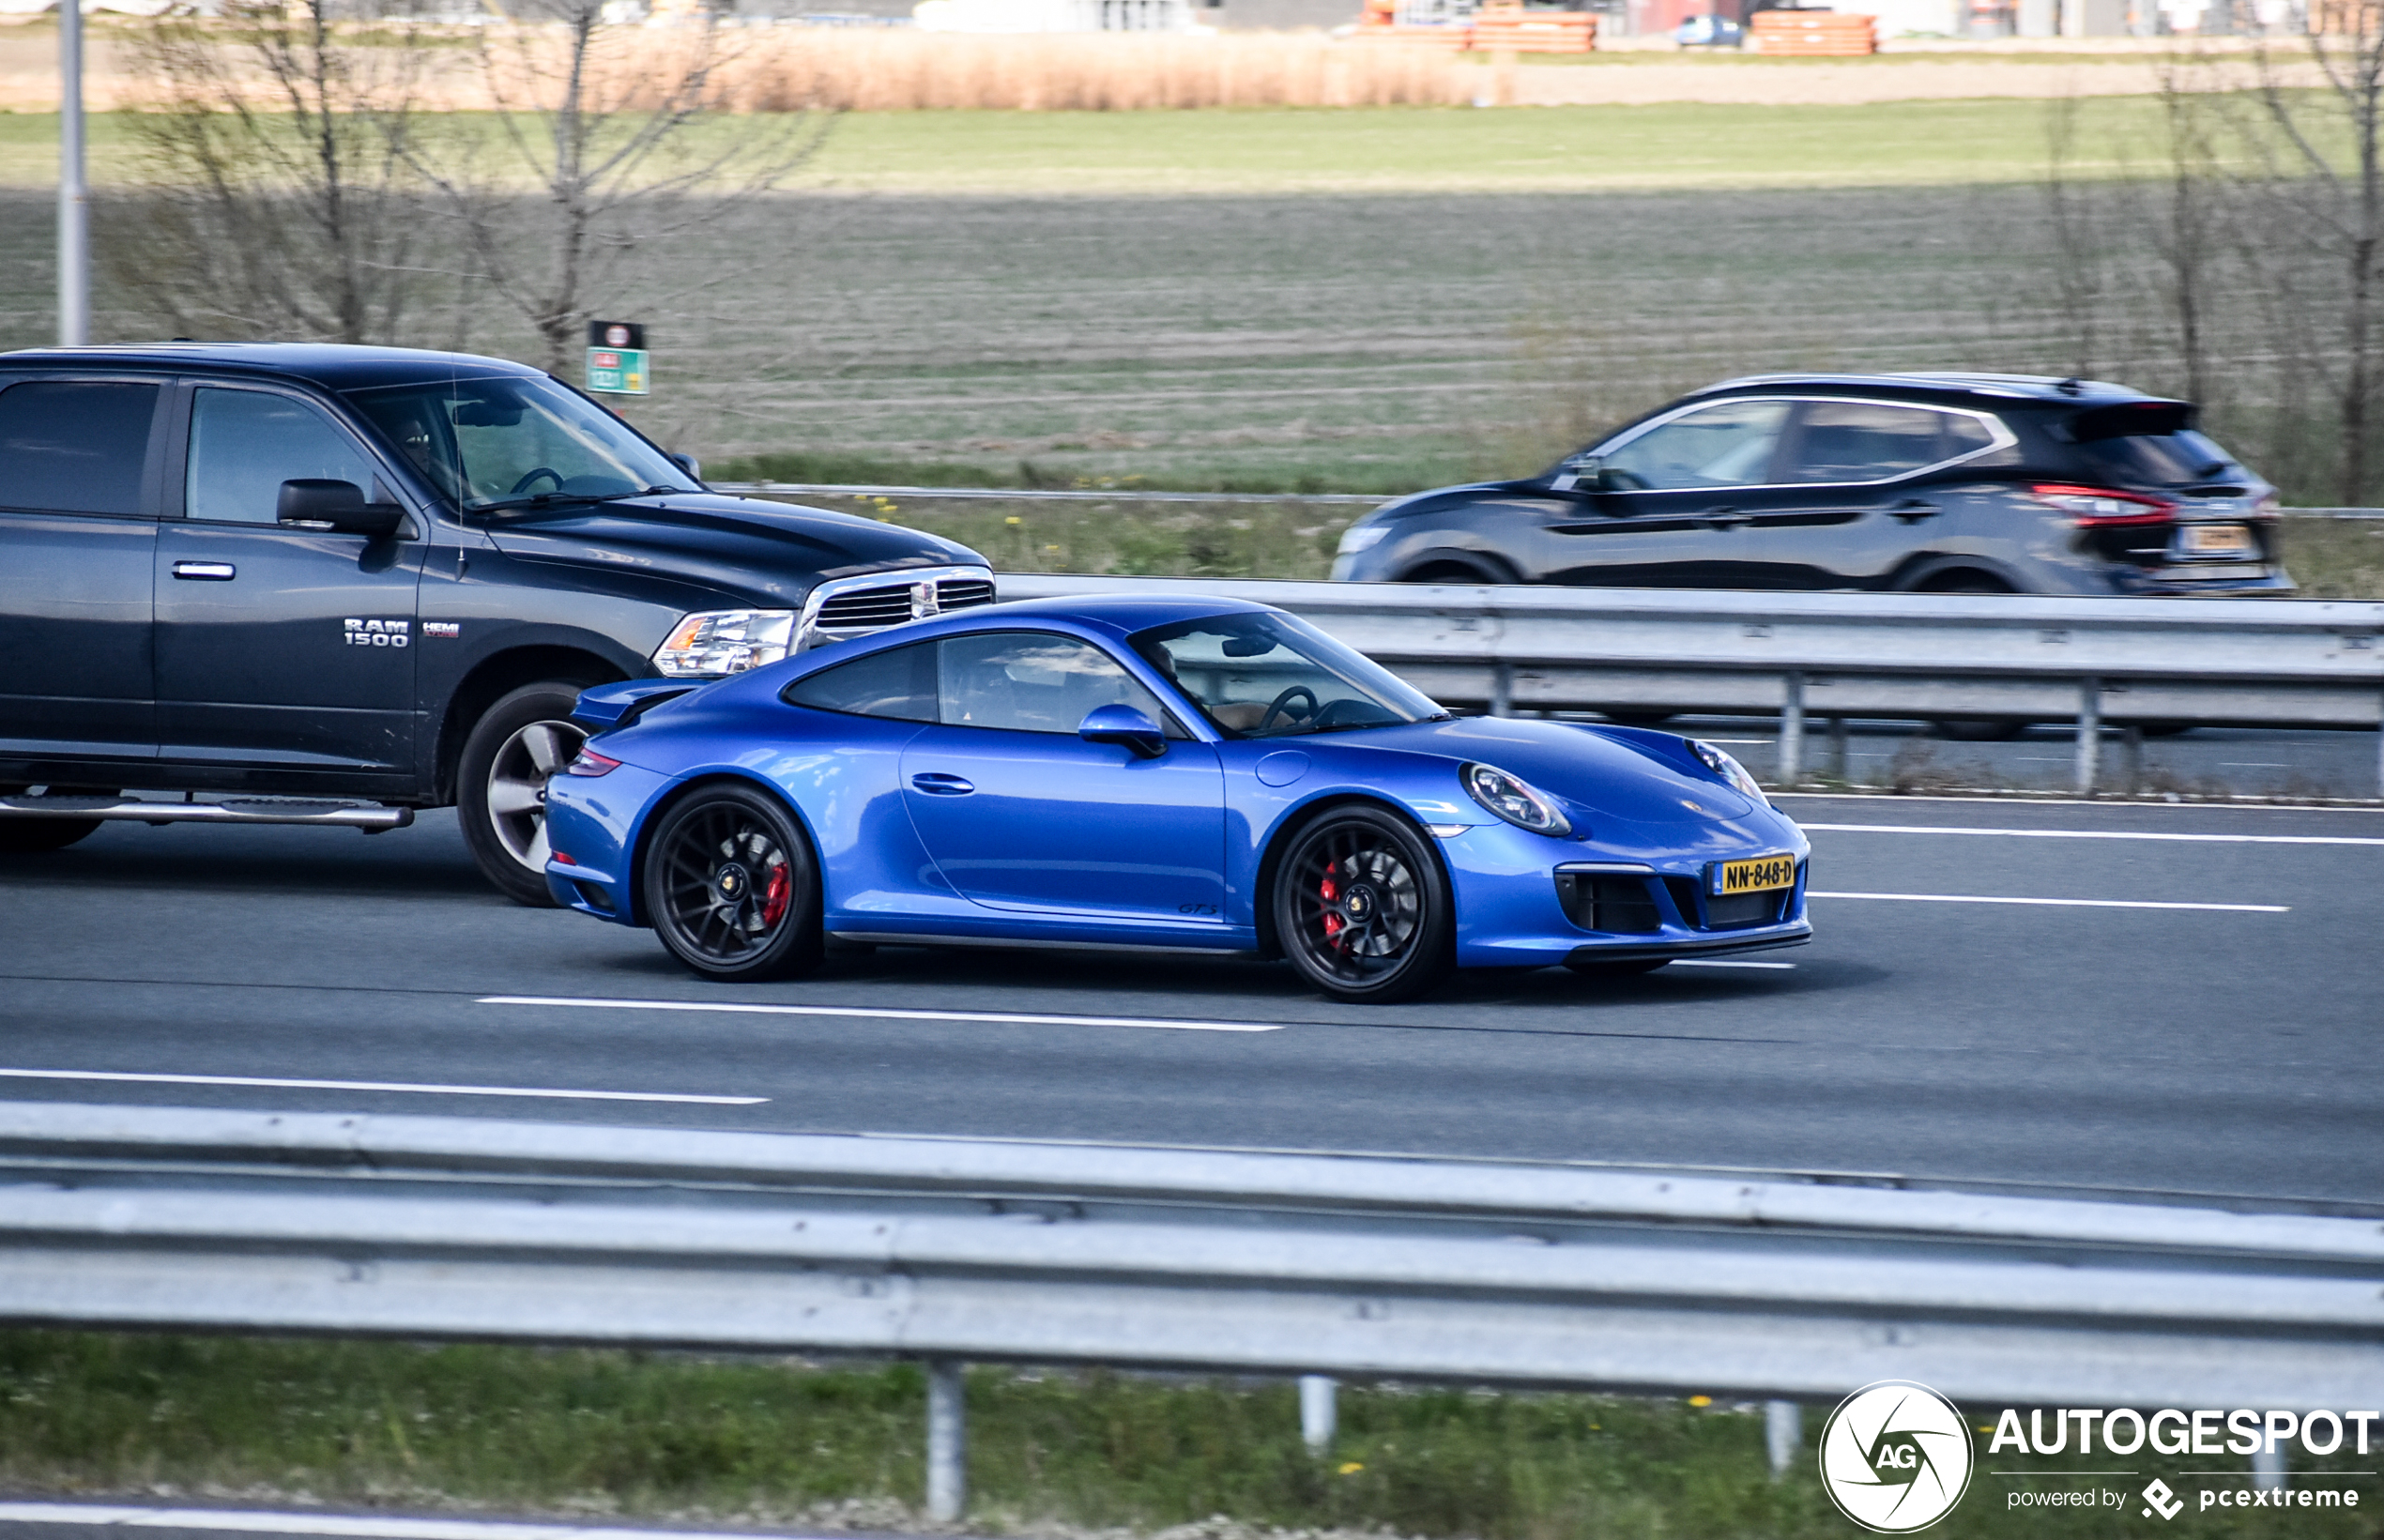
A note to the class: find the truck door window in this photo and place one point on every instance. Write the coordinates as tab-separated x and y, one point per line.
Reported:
244	444
74	446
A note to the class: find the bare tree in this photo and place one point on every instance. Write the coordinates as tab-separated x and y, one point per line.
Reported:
2323	184
275	199
605	138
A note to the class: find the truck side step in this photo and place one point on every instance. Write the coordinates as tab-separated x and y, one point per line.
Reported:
373	820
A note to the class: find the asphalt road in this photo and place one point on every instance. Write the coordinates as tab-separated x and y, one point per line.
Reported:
2225	1050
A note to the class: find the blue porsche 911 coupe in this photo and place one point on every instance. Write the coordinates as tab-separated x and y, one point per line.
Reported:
1198	775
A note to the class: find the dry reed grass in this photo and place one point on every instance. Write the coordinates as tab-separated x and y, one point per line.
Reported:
846	68
787	68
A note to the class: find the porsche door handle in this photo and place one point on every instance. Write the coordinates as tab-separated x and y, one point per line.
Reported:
936	784
206	571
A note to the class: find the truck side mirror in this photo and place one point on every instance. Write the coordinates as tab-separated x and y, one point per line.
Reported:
318	502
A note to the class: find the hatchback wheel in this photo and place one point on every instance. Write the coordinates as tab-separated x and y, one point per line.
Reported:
1362	909
732	887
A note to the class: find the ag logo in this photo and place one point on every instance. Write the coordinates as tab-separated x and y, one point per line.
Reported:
1895	1457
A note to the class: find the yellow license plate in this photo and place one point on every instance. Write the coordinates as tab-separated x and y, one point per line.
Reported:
2214	539
1759	874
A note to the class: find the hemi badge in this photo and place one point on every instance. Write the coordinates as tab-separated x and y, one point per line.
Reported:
442	628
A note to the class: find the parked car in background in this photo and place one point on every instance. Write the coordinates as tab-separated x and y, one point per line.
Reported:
275	573
1928	482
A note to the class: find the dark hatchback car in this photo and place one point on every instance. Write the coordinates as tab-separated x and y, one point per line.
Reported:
1944	483
288	578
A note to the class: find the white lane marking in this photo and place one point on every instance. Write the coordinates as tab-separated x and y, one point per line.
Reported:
270	1084
1722	962
881	1012
2066	903
266	1522
2095	834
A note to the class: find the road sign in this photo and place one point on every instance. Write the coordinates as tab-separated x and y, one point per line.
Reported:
617	357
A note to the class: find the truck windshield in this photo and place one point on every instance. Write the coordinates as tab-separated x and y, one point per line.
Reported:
515	442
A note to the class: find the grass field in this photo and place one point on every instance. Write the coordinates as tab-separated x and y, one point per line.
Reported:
1247	152
582	1433
1362	299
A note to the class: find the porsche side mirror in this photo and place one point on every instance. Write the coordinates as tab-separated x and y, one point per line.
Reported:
335	505
1126	725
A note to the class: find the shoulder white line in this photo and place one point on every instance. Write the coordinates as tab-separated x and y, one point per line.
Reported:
2092	835
265	1521
879	1013
2066	903
404	1086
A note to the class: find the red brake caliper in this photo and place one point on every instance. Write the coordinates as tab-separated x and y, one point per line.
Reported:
775	895
1329	890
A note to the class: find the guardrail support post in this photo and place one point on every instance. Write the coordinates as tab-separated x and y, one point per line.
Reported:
2131	758
1501	690
1838	748
2268	1467
1792	730
2089	734
1783	1435
947	1441
1320	1418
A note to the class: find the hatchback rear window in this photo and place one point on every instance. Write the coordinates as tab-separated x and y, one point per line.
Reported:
2177	458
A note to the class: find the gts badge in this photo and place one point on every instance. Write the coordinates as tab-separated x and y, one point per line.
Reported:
376	633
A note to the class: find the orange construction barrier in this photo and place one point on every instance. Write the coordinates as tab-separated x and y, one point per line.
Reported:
1814	32
1534	31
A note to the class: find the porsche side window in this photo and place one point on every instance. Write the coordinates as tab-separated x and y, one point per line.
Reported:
899	682
1033	682
1728	444
1871	441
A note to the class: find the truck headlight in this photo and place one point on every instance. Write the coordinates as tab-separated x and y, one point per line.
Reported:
726	642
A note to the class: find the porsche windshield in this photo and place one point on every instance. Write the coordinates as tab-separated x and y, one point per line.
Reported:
1270	676
516	442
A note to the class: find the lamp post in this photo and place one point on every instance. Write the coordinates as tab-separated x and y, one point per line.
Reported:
74	235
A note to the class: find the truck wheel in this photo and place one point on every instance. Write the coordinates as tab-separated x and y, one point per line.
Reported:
501	785
31	836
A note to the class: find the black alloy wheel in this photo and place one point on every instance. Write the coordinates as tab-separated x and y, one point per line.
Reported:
732	887
1361	907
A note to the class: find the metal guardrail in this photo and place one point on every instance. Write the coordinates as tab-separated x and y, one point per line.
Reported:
956	1250
1477	1272
1034	494
2097	662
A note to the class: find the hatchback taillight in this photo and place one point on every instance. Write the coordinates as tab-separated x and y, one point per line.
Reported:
2098	506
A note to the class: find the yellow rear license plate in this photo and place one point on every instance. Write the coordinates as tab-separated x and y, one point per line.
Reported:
1756	875
2214	539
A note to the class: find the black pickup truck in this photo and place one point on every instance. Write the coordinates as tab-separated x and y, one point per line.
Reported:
283	580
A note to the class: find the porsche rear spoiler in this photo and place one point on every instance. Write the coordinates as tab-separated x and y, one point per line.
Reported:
611	706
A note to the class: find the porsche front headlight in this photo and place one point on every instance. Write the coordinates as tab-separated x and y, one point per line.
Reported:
724	642
1515	799
1729	769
